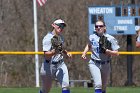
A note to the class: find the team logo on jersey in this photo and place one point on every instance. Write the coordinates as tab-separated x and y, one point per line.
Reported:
94	42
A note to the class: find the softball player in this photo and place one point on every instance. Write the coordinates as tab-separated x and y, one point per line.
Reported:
99	63
138	39
54	66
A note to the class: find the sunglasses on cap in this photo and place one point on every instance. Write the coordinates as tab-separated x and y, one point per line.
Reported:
61	25
97	26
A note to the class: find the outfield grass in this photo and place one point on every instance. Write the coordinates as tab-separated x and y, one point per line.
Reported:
73	90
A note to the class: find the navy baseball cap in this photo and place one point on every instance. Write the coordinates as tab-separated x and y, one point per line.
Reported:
60	23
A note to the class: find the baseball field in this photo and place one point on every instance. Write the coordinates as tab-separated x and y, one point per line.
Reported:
73	90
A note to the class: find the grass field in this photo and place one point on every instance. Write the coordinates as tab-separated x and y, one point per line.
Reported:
73	90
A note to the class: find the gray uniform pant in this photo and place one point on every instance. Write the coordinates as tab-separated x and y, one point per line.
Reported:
100	74
50	71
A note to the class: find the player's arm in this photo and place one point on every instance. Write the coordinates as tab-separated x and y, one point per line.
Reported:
85	51
137	44
112	52
67	53
49	53
138	39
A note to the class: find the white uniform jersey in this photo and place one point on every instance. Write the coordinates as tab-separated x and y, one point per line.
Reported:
94	42
47	46
138	38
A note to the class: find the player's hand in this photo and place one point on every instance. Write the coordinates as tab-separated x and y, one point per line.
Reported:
53	51
107	51
138	33
112	53
84	56
69	54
